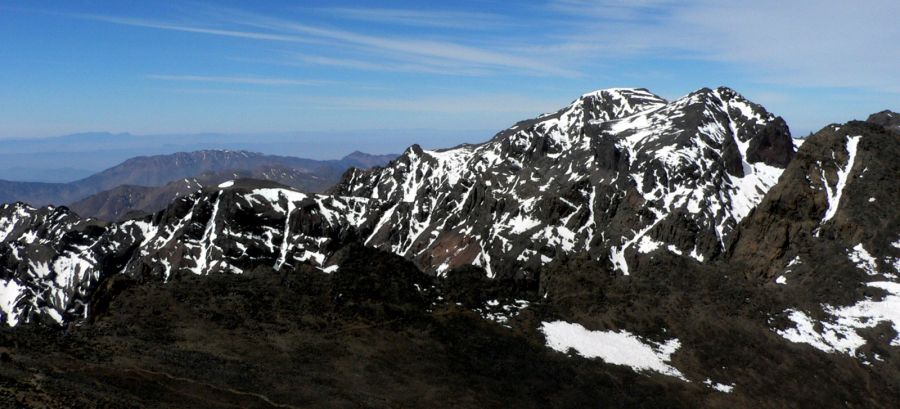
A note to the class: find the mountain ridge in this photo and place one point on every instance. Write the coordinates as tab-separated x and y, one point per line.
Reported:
684	249
571	133
159	170
442	215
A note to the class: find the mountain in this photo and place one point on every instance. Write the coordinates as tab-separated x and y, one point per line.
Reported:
159	170
364	160
624	250
128	201
95	151
828	232
615	173
58	257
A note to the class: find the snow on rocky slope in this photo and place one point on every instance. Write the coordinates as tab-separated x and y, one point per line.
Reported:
827	234
52	259
616	172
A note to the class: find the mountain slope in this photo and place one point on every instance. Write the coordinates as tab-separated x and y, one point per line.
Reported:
827	237
839	192
617	172
53	259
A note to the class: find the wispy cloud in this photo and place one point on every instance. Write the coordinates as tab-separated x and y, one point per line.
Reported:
162	25
448	57
474	103
464	55
813	43
237	80
423	18
423	66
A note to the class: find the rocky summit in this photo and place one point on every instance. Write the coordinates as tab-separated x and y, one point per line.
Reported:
617	172
624	251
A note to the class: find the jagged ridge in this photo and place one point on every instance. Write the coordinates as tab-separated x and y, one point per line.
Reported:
616	173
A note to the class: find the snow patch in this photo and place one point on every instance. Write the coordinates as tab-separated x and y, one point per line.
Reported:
839	333
721	387
864	260
647	245
834	338
619	348
10	292
225	185
834	196
869	313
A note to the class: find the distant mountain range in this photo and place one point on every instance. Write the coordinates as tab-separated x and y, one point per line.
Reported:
83	154
148	183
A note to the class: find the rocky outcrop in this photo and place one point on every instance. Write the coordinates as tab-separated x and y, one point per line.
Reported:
839	193
890	120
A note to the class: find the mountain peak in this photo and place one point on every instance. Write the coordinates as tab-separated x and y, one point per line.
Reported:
887	118
678	174
617	102
620	91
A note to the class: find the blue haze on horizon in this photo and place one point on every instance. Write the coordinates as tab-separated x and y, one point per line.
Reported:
433	68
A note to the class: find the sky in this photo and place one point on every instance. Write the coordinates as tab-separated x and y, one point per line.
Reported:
432	68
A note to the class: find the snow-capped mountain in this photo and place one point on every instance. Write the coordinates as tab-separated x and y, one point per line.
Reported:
52	258
616	172
684	250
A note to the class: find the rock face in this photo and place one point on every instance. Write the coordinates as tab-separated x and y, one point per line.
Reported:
53	259
841	191
617	172
888	119
833	217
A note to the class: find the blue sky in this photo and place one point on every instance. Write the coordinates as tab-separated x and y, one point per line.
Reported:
153	67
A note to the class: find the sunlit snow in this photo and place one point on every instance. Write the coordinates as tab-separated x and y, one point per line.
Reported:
834	195
619	348
839	331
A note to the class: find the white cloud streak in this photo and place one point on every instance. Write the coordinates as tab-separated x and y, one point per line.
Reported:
451	57
161	25
463	55
808	43
475	103
423	18
812	43
237	80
